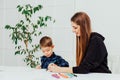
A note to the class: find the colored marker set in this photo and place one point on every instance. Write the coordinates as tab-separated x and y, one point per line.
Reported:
63	75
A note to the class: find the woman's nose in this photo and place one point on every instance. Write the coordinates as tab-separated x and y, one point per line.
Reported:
73	30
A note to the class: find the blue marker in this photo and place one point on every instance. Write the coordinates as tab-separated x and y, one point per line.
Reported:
71	75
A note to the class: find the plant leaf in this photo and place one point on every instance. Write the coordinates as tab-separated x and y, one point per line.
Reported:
7	27
48	18
17	52
36	9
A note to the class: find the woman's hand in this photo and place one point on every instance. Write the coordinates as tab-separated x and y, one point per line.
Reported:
53	68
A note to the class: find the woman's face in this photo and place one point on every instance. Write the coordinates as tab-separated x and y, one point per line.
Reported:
75	28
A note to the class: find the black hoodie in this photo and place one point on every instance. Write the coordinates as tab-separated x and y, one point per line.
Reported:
95	56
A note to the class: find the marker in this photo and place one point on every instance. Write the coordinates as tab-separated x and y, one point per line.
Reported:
54	61
63	75
55	75
70	75
74	74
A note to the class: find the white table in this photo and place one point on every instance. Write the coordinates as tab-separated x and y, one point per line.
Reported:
25	73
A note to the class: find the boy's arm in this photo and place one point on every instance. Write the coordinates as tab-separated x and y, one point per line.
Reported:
38	67
62	62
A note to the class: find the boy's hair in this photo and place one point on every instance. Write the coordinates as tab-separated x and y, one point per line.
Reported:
46	42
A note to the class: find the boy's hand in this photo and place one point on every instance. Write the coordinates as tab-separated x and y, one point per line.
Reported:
52	64
38	67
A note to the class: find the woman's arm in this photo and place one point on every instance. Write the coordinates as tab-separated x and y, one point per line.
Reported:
55	68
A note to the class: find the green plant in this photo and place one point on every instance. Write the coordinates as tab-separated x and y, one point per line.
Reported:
26	30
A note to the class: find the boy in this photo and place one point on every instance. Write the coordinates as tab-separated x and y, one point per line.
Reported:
49	56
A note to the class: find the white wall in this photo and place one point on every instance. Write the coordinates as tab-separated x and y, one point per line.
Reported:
105	19
104	15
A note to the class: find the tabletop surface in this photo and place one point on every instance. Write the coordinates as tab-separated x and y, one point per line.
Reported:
26	73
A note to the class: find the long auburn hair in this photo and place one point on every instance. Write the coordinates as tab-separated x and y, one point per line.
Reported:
83	20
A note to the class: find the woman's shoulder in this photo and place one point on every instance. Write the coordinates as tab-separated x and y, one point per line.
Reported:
97	36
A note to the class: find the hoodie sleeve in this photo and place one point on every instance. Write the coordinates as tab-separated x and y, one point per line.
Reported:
94	55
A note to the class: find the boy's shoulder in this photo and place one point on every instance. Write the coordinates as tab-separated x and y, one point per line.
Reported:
43	57
57	56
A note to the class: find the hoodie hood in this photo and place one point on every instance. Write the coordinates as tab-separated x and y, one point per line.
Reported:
95	34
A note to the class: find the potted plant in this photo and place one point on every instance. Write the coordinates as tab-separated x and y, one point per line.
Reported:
26	30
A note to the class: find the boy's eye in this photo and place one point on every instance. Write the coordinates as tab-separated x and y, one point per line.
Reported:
47	50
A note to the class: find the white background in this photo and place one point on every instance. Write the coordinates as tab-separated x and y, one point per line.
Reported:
104	14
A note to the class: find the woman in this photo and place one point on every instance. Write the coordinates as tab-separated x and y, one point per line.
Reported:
91	53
